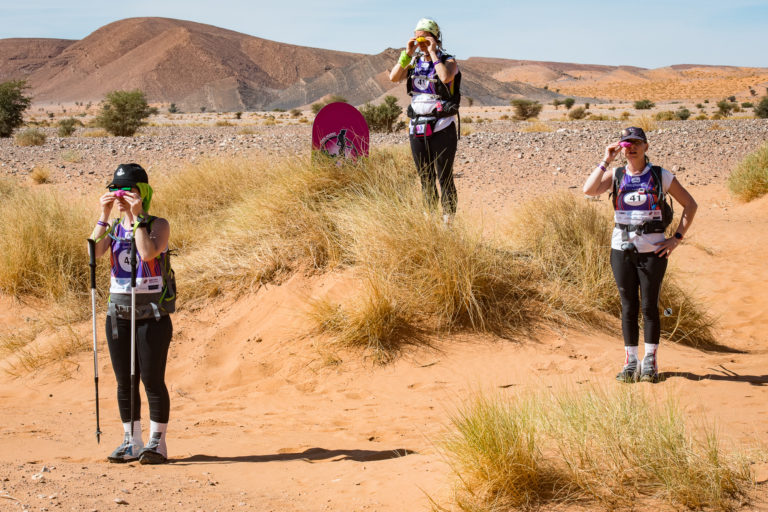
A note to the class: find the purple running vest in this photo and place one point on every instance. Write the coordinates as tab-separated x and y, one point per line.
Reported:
637	199
149	275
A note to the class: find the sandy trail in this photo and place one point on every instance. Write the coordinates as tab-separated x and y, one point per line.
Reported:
265	418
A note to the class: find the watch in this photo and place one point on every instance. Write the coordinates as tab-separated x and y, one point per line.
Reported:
678	236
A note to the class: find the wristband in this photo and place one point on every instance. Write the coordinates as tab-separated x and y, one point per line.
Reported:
102	223
601	166
405	60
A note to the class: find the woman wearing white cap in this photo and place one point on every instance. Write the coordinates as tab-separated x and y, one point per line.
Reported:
639	247
433	82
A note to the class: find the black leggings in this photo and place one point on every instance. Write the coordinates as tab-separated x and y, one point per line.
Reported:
433	157
643	271
152	341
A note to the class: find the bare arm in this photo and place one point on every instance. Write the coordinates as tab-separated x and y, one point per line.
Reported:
683	197
446	71
106	201
398	72
600	181
151	245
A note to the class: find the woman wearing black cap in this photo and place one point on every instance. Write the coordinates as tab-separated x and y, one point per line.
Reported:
433	83
639	247
129	190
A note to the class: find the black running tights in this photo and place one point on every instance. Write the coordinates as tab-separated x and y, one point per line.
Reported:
433	156
641	272
152	341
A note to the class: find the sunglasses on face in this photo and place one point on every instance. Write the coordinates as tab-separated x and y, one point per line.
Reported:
115	189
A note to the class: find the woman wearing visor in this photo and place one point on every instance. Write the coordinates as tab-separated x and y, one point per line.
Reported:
433	83
639	247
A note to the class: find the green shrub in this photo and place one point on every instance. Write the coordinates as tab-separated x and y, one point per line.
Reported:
13	103
295	112
747	104
682	113
577	113
701	117
381	118
568	102
556	103
666	115
467	120
238	115
173	109
586	105
700	106
526	109
750	178
732	99
68	126
30	137
644	105
761	110
725	108
123	112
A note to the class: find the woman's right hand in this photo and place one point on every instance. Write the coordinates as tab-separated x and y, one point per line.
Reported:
410	48
611	152
107	201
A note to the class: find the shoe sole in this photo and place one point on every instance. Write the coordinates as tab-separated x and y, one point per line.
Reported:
152	458
121	460
649	378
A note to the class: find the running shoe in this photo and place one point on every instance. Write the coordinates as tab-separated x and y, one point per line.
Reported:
127	451
629	373
155	452
649	372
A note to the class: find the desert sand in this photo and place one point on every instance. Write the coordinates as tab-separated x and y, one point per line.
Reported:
266	417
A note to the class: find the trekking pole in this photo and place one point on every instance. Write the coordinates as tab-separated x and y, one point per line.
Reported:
92	264
133	330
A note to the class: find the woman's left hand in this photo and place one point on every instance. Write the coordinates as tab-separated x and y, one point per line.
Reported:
134	203
666	247
431	45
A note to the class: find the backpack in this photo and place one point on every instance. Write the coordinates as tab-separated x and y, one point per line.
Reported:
450	96
667	211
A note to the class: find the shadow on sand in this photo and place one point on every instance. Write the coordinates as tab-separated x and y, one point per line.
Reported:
723	374
309	455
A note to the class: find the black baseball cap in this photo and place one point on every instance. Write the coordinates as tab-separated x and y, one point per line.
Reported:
633	133
128	175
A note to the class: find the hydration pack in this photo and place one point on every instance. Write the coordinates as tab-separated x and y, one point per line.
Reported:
448	96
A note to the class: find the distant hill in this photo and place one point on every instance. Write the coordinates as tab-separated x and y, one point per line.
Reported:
196	65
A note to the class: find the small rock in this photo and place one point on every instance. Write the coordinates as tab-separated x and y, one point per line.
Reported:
121	501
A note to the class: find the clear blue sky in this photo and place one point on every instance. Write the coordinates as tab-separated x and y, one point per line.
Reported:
650	33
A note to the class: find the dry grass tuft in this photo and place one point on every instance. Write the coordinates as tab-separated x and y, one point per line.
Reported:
96	132
40	175
535	126
750	178
30	137
647	123
608	446
569	240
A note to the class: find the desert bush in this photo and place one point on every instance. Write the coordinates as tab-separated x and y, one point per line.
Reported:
747	104
761	110
467	120
223	122
599	117
295	112
682	113
717	116
30	137
665	115
238	115
173	109
13	103
568	102
40	175
526	109
503	117
100	132
647	123
700	106
556	103
586	105
624	116
68	126
644	105
749	180
732	99
701	117
725	108
466	130
381	118
577	113
610	447
123	112
568	240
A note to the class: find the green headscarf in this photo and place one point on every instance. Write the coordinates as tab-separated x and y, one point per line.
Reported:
145	191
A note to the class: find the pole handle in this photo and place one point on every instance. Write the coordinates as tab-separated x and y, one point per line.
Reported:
92	261
133	261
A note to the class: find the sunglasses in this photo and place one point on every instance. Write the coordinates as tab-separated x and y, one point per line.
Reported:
115	189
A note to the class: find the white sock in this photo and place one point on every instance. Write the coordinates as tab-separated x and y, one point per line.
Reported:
136	431
159	428
650	350
631	354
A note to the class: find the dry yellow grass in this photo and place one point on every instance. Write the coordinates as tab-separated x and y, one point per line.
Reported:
535	126
30	137
749	180
602	447
40	175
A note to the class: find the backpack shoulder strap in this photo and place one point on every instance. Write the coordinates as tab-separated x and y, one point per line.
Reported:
618	176
656	171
